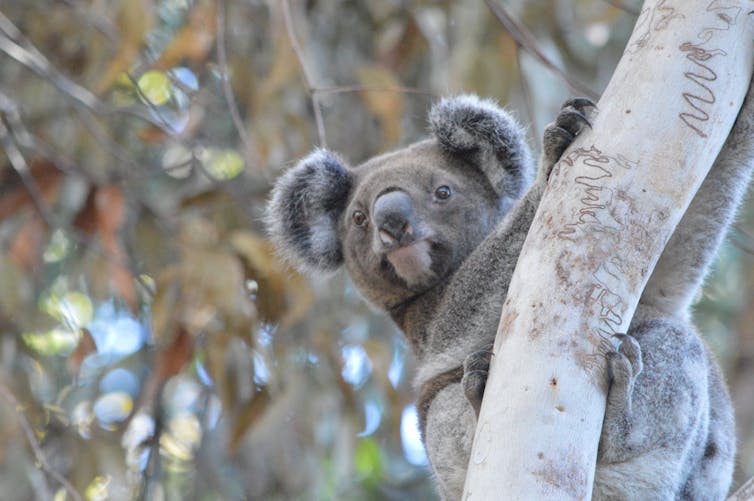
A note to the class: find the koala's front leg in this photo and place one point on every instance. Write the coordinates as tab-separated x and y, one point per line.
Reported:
559	135
476	368
624	365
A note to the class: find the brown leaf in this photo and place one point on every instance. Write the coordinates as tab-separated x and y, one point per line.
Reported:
110	206
152	134
213	282
248	415
86	219
171	359
387	107
110	209
14	196
133	22
194	41
26	247
406	48
103	214
283	296
165	302
85	347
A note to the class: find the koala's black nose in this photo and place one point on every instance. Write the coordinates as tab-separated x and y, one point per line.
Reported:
394	218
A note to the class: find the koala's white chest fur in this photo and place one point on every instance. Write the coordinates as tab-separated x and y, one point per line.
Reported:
413	262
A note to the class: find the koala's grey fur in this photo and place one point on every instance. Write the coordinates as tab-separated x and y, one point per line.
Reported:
442	270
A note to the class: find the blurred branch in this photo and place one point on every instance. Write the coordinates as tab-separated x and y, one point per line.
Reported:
15	132
526	40
252	155
621	4
19	164
106	142
15	45
8	395
746	247
161	122
345	89
528	104
153	471
308	75
29	141
96	20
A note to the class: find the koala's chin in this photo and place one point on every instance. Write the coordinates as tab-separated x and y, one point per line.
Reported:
413	263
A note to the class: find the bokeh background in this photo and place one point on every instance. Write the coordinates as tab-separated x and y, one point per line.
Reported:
151	344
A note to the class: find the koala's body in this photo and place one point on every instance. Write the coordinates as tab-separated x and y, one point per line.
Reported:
431	234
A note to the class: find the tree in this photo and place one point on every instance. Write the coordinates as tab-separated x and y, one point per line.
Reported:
151	131
662	120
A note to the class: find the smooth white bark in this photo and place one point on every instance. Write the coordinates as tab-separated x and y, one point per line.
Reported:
612	203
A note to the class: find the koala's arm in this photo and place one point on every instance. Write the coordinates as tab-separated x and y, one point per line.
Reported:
475	297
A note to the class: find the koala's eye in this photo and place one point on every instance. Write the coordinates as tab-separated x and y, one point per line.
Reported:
359	218
443	192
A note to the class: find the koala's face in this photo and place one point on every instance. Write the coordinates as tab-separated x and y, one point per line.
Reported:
412	218
403	222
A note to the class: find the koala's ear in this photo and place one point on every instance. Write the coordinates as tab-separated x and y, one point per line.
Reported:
488	136
302	215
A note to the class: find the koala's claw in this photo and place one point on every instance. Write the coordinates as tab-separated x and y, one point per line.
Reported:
580	103
476	367
567	125
629	347
624	365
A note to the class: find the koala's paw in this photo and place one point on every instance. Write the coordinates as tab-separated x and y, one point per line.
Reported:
624	365
569	123
475	370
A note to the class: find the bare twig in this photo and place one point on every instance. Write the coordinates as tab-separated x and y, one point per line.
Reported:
742	246
743	241
527	96
161	121
8	395
107	143
29	141
96	20
17	130
524	39
621	4
308	75
13	43
252	155
345	89
18	162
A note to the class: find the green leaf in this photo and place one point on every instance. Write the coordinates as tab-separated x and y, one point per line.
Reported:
368	459
155	86
222	164
73	308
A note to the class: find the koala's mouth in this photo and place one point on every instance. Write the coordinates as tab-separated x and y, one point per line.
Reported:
413	263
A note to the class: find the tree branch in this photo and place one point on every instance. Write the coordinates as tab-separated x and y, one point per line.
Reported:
39	454
251	153
308	74
524	39
13	43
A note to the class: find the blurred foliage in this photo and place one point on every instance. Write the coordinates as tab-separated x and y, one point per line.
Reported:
151	344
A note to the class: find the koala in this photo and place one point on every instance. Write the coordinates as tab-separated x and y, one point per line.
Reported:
431	233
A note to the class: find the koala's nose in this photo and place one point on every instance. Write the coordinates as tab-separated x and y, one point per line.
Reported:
394	218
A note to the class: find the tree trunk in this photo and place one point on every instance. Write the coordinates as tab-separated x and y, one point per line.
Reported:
613	202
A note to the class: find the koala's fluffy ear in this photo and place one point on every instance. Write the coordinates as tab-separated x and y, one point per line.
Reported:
302	216
489	136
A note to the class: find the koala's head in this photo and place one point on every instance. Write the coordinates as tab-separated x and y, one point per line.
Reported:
403	222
